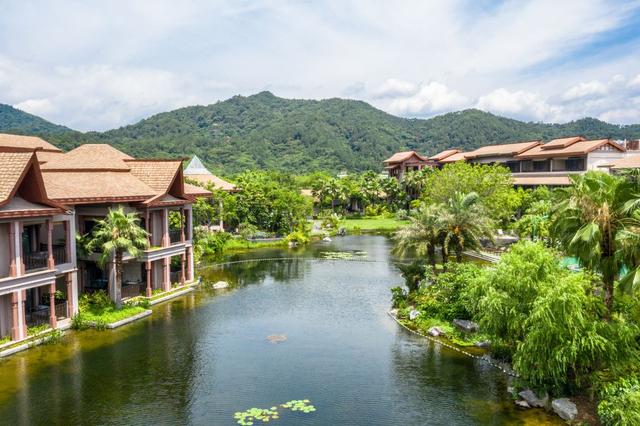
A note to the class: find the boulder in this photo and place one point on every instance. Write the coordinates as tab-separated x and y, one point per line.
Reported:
394	313
532	399
465	325
220	285
435	331
522	404
566	409
413	314
483	344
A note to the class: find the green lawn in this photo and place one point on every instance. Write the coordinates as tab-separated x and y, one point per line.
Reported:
378	223
102	316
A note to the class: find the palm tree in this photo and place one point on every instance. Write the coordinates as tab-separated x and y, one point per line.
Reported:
117	233
596	221
423	234
465	223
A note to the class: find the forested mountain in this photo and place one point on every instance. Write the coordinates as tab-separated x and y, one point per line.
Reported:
265	131
15	121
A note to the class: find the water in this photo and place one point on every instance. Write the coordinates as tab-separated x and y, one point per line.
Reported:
202	357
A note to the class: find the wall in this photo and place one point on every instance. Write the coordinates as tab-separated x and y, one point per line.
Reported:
132	271
598	158
5	315
4	250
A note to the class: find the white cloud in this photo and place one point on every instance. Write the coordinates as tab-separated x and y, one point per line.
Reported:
584	90
393	87
430	98
519	104
41	107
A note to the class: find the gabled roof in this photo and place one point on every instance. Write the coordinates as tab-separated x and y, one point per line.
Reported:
14	165
458	156
509	149
399	157
196	171
626	163
193	191
28	142
158	174
444	154
89	157
582	147
562	142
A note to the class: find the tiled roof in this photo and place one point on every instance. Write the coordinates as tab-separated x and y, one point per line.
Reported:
95	186
217	182
542	180
158	174
502	150
45	156
399	157
195	191
29	142
562	142
444	154
89	157
576	148
458	156
626	163
12	169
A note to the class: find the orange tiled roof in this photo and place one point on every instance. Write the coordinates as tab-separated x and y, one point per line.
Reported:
503	150
89	157
444	154
562	142
14	166
195	191
399	157
626	163
158	174
458	156
217	182
29	142
95	186
577	148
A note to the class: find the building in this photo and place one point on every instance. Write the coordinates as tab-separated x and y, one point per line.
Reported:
402	162
197	172
47	197
534	163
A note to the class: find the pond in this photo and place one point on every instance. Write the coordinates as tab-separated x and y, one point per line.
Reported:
203	357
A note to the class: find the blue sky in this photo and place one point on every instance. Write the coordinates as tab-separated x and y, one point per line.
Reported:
95	65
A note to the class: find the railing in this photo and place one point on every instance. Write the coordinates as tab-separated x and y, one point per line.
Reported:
175	277
41	314
175	236
36	260
60	255
131	290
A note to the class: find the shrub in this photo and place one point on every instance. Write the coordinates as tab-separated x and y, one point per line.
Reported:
620	403
98	300
210	244
247	230
398	297
330	221
375	210
402	214
297	237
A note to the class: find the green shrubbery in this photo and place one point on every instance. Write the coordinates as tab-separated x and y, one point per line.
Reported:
620	402
98	310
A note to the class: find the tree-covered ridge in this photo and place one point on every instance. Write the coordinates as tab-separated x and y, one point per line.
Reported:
13	120
268	132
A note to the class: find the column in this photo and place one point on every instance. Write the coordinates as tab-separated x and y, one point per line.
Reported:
18	252
17	316
221	208
165	228
147	226
189	224
53	320
69	282
68	240
182	221
13	270
149	278
182	272
189	271
166	279
50	262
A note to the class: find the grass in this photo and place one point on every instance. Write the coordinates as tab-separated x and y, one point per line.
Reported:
242	244
162	294
4	340
377	223
101	316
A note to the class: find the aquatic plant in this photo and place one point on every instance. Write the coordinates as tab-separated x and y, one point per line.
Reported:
246	418
343	255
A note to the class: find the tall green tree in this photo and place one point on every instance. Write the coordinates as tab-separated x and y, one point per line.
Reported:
465	222
595	221
423	234
118	233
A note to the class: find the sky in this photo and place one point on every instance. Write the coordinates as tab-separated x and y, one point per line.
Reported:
97	65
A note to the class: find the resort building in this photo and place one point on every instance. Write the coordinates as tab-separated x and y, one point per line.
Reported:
47	197
402	162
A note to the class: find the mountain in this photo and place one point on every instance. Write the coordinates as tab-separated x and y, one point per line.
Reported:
13	120
295	135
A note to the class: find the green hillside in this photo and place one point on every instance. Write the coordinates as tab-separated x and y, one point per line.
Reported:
13	120
265	131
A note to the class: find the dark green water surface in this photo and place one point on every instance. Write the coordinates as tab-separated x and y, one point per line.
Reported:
202	357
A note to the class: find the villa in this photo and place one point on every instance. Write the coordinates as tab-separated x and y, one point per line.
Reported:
534	163
402	162
47	197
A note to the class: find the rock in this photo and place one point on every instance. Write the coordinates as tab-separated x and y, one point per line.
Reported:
566	409
435	331
484	344
292	244
414	314
276	338
327	239
465	325
532	399
394	313
510	390
522	404
220	285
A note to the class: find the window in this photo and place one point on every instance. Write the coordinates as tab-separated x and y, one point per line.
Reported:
541	166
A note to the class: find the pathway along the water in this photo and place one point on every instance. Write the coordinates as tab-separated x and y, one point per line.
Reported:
205	356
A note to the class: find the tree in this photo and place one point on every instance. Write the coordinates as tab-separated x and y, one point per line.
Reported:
594	219
465	223
116	234
423	234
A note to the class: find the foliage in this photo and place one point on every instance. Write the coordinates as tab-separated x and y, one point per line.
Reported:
492	183
596	221
267	414
536	221
398	297
402	214
330	221
372	224
209	244
98	309
298	236
423	234
413	273
36	329
620	403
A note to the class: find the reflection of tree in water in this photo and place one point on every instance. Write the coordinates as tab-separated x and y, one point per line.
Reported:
252	272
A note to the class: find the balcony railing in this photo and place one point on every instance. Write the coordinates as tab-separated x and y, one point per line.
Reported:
41	314
175	276
60	255
132	290
175	236
36	260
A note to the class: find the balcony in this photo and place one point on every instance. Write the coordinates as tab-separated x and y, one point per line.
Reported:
39	259
175	236
40	314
